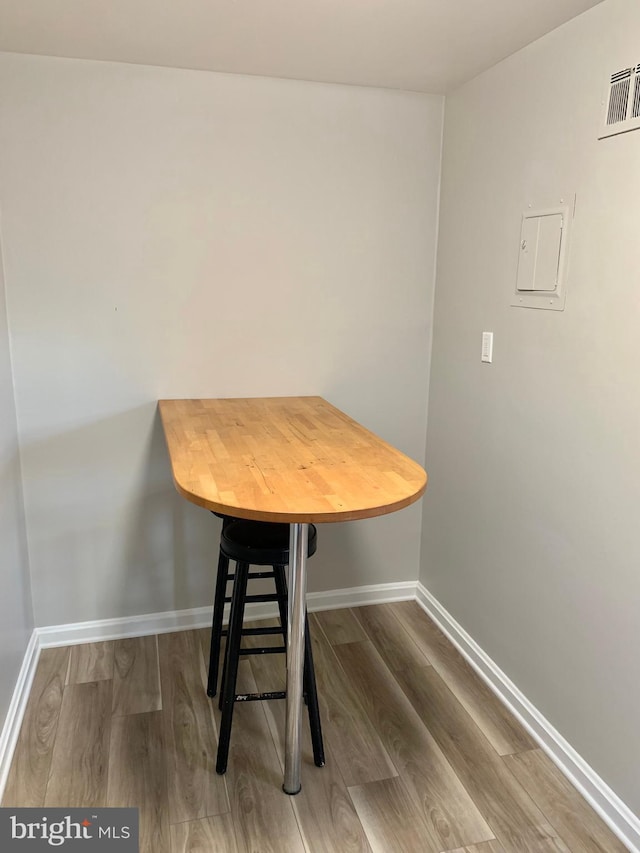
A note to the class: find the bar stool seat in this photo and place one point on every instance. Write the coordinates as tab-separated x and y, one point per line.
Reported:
255	543
261	543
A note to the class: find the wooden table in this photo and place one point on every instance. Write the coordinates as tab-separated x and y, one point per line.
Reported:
297	460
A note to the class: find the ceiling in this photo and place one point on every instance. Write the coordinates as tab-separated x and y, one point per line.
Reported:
420	45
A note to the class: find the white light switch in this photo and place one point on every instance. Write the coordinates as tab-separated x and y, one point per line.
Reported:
487	347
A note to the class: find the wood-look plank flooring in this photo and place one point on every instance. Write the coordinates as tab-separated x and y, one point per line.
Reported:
421	757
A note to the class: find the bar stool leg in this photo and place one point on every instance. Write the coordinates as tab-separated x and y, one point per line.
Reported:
309	680
216	625
232	657
281	591
312	699
223	679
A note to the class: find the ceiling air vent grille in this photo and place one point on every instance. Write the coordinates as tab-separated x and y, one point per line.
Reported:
635	107
622	102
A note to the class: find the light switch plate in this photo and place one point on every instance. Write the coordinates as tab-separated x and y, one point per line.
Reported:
487	347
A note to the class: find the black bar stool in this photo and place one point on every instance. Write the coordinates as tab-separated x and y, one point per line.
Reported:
223	576
219	599
259	544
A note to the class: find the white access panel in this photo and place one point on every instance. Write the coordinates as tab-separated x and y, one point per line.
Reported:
548	259
528	254
542	259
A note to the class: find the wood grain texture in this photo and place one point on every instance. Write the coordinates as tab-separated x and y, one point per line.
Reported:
577	823
389	819
340	626
91	662
27	781
450	815
262	813
393	643
512	815
78	776
138	776
288	459
195	789
326	817
485	847
356	744
500	727
206	835
136	676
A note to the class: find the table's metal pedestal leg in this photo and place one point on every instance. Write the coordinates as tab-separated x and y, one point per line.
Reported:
298	543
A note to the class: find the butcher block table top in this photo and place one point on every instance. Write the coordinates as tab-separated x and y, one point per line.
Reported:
285	459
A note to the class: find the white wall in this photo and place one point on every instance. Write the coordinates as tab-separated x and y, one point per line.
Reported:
16	615
530	534
173	234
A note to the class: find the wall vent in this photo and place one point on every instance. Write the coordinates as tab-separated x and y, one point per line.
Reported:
622	102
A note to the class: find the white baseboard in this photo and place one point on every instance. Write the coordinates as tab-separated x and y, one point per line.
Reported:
126	626
200	617
358	596
622	821
17	706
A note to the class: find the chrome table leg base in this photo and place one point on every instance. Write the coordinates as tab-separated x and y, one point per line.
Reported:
298	543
